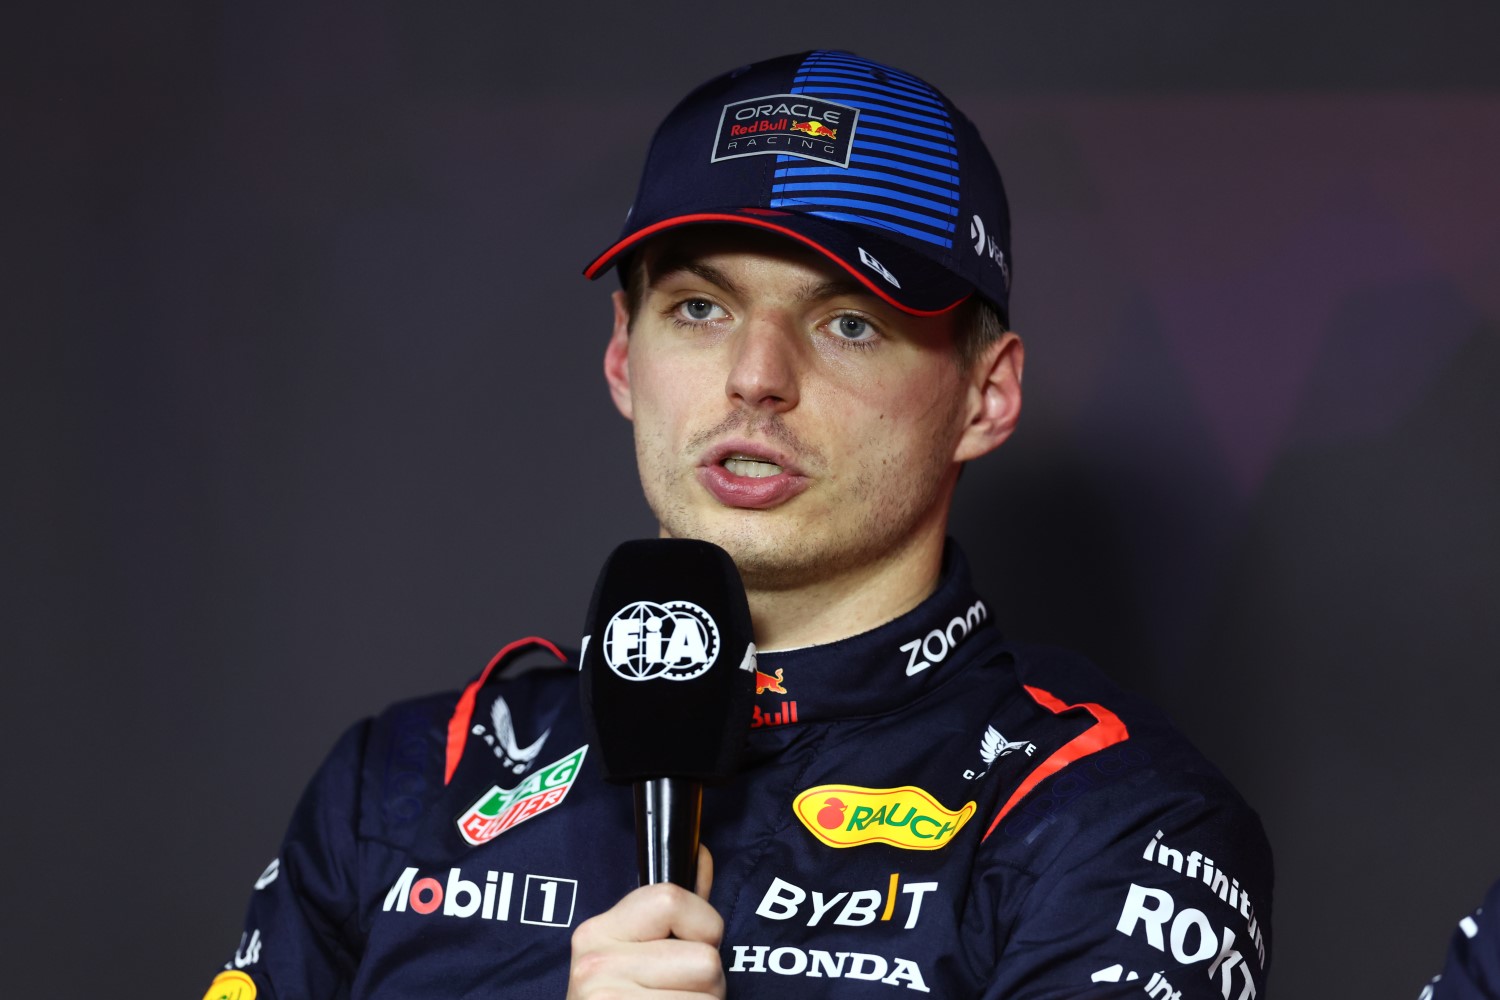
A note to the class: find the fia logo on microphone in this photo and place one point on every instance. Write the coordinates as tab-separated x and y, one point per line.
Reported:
676	641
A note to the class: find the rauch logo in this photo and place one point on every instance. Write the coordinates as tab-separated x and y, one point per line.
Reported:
905	817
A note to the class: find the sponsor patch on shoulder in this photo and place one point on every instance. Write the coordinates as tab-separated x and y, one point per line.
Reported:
905	817
788	124
231	986
499	809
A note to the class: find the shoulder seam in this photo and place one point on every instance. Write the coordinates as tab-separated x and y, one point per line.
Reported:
463	711
1107	730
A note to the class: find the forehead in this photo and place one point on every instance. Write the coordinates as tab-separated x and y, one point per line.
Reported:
744	252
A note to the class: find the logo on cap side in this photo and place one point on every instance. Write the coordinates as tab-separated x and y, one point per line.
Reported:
788	124
875	265
985	246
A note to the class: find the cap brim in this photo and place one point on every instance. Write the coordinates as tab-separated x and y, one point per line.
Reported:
925	288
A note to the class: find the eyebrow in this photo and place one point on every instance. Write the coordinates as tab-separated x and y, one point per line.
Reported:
832	288
666	267
813	290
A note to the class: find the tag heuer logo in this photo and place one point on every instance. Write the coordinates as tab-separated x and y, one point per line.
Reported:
500	809
788	124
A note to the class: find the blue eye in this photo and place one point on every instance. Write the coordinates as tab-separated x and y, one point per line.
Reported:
853	328
700	310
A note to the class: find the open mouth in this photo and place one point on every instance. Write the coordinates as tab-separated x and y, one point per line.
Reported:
751	468
750	476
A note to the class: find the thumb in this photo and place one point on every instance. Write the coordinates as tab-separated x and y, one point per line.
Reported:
705	871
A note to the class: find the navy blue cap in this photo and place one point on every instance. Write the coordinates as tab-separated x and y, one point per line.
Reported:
868	165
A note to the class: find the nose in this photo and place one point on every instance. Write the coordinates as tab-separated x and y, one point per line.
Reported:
763	365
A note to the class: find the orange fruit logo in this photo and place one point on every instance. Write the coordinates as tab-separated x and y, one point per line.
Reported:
905	817
231	986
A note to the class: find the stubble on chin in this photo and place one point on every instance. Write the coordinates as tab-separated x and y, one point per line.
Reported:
780	550
769	556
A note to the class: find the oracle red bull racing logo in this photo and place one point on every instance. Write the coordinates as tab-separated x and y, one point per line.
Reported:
788	124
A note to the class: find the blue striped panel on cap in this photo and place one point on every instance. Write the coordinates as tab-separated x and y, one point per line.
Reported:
903	173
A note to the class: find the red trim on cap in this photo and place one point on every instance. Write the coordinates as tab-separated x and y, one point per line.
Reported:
604	259
1106	731
463	712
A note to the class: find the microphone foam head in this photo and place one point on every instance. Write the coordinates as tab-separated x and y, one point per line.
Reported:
668	673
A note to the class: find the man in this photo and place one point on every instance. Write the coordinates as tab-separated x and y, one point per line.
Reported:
810	343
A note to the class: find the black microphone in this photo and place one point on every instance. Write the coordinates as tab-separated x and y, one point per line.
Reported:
668	681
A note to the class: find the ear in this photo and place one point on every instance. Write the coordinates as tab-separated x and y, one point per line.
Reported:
617	358
994	398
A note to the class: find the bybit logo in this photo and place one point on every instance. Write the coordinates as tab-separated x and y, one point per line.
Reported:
783	901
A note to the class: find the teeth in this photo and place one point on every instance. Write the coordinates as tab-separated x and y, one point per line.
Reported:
751	468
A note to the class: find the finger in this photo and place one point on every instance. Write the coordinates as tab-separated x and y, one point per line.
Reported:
705	871
651	913
690	966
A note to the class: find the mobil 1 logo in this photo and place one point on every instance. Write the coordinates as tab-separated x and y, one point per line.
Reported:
788	124
540	900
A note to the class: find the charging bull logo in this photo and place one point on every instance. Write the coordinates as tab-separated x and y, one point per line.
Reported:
676	641
905	817
765	682
815	129
799	125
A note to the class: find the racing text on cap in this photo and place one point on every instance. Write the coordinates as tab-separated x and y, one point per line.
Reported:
789	124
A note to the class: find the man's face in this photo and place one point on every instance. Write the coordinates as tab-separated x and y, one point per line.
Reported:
783	412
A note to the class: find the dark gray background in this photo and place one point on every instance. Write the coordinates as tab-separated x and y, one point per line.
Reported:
303	413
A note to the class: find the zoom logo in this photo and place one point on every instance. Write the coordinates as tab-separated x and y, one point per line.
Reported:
935	646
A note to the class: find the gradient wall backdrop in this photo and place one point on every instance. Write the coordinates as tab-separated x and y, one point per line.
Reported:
305	415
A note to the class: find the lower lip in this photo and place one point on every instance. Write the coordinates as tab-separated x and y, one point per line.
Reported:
751	494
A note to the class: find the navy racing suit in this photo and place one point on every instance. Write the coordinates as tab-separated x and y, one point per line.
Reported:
1472	969
924	807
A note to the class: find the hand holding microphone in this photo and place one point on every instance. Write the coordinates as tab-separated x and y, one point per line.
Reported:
659	937
668	681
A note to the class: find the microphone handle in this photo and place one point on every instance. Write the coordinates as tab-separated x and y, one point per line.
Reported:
668	812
